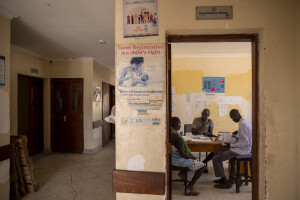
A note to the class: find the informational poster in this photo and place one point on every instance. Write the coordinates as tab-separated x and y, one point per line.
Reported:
140	18
213	84
187	98
140	72
198	105
173	99
230	100
222	109
2	70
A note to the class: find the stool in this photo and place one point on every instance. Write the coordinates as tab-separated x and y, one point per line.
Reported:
247	158
186	169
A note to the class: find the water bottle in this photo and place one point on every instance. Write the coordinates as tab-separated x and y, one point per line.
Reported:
181	133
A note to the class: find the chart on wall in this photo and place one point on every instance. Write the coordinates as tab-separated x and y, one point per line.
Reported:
140	18
213	84
140	72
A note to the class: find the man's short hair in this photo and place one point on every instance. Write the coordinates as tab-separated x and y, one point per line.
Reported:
204	110
234	111
137	60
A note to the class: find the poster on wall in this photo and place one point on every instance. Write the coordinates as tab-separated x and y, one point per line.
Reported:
140	18
140	73
2	70
213	84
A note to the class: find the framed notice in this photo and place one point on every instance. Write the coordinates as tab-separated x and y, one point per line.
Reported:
2	70
140	18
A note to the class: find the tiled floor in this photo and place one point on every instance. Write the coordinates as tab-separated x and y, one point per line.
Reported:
205	186
74	176
89	177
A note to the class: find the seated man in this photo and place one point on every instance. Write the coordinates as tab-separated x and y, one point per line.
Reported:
182	157
241	147
202	125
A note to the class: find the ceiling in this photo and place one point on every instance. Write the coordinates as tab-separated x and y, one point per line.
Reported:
71	29
64	29
212	49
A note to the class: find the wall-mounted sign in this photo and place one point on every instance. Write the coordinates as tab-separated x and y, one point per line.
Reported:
2	70
34	70
140	18
213	12
213	84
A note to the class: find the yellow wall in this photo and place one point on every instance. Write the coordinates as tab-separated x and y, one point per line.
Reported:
100	74
22	61
4	107
187	74
275	22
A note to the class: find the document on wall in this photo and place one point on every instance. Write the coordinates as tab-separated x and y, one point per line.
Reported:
198	105
222	109
187	98
173	97
199	96
229	100
210	97
188	110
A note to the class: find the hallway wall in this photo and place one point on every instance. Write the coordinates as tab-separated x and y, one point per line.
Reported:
100	74
22	60
275	22
5	105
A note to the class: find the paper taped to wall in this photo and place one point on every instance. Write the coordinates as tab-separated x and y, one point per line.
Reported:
222	109
230	100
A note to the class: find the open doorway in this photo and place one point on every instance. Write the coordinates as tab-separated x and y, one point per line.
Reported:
108	129
192	60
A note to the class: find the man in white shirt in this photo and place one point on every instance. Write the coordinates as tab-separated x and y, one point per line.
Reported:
241	147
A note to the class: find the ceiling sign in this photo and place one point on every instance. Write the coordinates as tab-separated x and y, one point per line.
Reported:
213	12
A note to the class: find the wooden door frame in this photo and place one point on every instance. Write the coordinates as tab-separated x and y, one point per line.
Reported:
110	85
82	112
253	38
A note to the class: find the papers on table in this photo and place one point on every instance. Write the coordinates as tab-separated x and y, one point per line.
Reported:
197	138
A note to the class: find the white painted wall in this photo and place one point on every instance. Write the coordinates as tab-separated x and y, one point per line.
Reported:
100	74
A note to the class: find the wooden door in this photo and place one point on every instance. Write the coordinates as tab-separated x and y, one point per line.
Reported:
108	101
67	115
36	138
30	112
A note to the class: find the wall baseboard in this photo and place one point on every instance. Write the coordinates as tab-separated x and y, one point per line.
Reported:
93	151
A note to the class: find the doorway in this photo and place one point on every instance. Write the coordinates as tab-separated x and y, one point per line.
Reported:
30	112
108	101
253	40
67	115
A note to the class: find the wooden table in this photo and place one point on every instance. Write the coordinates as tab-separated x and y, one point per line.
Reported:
208	146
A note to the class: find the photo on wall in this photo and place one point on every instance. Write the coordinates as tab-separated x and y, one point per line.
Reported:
140	18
